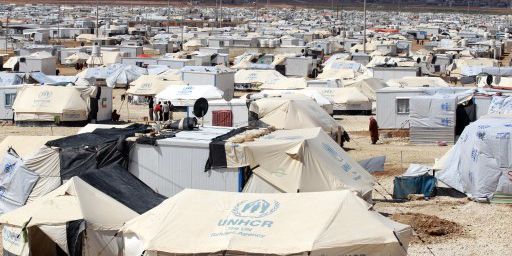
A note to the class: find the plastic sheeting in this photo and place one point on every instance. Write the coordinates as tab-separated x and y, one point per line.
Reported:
480	159
404	186
16	183
433	111
500	105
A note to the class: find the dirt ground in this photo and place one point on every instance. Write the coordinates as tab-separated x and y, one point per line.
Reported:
446	225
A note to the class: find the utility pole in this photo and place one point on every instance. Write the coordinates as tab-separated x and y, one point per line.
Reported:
97	19
58	24
220	5
6	31
364	31
168	15
183	26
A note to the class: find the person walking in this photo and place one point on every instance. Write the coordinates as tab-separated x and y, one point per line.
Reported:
374	130
151	105
166	109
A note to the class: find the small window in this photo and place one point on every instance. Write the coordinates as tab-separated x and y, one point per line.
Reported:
9	99
402	106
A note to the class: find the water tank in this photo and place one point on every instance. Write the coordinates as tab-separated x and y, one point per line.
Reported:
96	50
271	43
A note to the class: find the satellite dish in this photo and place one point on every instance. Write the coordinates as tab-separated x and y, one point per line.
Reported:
228	95
488	80
200	107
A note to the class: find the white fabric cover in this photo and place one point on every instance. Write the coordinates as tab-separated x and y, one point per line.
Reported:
46	163
303	160
150	85
500	105
181	95
16	183
324	223
293	113
43	103
480	159
433	111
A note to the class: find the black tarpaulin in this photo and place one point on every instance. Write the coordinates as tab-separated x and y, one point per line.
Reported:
100	148
217	154
124	187
74	235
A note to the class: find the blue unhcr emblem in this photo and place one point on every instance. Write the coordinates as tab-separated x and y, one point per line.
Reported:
255	209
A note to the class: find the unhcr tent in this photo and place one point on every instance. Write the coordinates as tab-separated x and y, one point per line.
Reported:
7	79
248	77
303	160
222	223
479	163
345	99
72	219
292	113
106	58
369	87
46	103
150	85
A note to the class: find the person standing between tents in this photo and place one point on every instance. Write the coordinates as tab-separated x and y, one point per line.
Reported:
151	104
166	109
374	130
158	111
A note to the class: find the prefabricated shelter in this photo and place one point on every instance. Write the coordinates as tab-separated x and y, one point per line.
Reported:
393	104
479	163
413	81
176	63
277	224
9	84
186	95
179	162
233	113
220	77
70	104
301	66
388	73
38	63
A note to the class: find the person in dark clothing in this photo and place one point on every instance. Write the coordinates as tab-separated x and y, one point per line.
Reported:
166	108
374	130
77	66
115	116
151	105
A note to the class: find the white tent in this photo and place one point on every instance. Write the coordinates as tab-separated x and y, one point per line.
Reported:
124	75
184	95
63	214
257	76
293	113
346	98
78	57
149	85
45	103
302	160
106	58
222	223
285	83
479	163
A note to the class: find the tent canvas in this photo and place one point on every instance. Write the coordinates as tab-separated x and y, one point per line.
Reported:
302	160
43	103
293	113
479	162
263	224
149	85
74	201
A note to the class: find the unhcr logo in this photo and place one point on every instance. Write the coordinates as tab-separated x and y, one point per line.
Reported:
45	95
249	214
255	209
